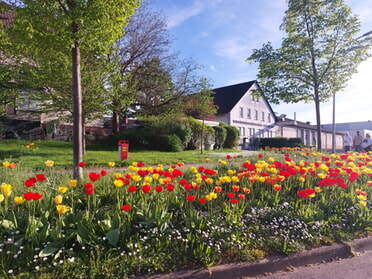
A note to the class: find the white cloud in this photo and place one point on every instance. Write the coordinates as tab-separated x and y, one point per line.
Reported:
231	47
177	16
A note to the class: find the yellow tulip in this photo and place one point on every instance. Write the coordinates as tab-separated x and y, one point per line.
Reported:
58	199
222	162
118	183
317	189
62	190
72	183
111	164
19	200
235	179
363	203
301	179
7	189
49	163
137	178
211	196
194	169
198	180
117	175
61	209
1	197
209	181
148	179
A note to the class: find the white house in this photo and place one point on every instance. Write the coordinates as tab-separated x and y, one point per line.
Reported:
255	119
239	107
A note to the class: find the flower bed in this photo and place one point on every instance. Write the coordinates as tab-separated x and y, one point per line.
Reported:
154	219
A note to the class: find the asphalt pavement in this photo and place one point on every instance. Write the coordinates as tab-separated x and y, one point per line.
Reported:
352	260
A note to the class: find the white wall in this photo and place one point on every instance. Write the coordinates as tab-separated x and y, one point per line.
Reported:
258	122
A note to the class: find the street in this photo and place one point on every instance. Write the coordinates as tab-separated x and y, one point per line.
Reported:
358	267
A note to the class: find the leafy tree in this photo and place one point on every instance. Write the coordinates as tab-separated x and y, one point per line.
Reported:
70	28
146	38
316	59
200	105
153	81
14	77
153	87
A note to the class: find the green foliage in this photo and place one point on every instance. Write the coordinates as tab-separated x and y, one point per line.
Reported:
199	132
200	105
319	55
280	142
232	137
169	143
220	136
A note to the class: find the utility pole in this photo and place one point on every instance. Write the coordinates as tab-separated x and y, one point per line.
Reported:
334	107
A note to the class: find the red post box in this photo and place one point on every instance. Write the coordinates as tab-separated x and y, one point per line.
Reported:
123	149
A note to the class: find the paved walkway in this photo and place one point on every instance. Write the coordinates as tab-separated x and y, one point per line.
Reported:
319	263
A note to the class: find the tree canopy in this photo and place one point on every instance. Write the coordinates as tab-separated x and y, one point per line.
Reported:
151	80
68	31
319	55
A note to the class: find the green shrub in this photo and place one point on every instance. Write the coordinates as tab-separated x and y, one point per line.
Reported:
281	142
220	136
197	129
295	142
232	137
169	143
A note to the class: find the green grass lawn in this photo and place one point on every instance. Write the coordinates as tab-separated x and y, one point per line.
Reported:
33	155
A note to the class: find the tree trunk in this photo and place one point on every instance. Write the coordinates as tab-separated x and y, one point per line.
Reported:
83	135
115	123
318	123
77	113
201	138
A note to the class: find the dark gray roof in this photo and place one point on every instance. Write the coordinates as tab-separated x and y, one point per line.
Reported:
226	97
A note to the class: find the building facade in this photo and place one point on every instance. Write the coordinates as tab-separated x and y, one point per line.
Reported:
243	106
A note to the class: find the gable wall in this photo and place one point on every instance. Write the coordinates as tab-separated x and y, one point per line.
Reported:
259	123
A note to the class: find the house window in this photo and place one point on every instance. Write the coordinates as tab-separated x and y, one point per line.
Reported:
242	131
254	99
256	114
27	104
263	116
268	117
249	113
253	132
241	109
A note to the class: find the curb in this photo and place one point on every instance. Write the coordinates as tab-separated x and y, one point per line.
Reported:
273	264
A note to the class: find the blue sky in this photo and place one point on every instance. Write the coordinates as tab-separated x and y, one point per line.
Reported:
220	34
